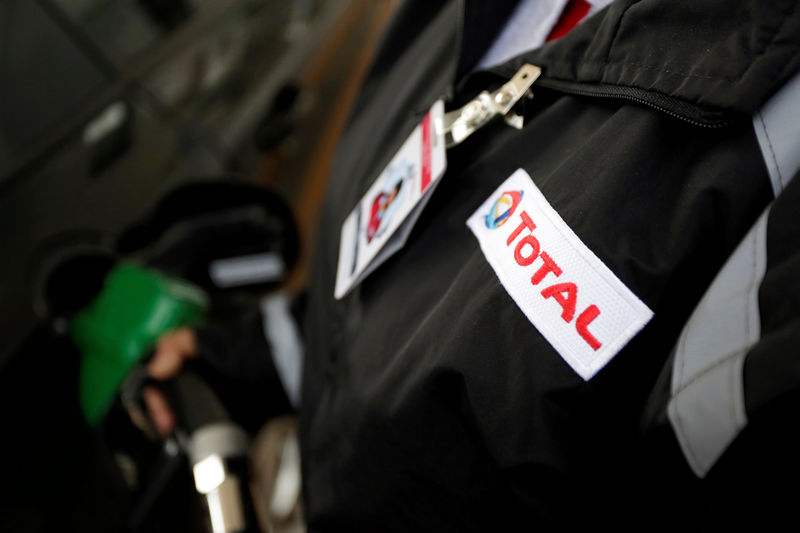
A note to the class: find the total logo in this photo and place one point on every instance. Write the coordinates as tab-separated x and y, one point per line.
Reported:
527	249
563	288
502	209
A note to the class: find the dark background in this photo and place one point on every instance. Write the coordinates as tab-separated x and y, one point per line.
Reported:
104	106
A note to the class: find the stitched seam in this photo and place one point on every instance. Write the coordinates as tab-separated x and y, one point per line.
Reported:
678	72
748	308
732	389
772	152
657	68
616	34
689	447
749	341
709	369
678	416
748	312
609	63
681	351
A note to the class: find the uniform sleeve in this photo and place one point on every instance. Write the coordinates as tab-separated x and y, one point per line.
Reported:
723	414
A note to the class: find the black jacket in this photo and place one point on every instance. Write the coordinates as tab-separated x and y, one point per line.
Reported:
430	402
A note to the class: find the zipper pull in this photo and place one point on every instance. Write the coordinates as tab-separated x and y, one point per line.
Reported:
459	124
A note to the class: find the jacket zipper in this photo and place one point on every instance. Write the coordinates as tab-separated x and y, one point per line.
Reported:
673	107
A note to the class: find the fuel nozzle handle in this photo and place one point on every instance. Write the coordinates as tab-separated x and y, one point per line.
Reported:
193	401
217	451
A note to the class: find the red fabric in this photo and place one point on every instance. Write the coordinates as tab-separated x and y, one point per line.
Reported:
573	13
426	152
548	266
526	219
567	302
375	215
531	241
582	325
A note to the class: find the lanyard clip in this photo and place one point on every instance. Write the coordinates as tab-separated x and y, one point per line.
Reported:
459	124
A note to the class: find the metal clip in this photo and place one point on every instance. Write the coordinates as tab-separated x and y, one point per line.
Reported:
459	124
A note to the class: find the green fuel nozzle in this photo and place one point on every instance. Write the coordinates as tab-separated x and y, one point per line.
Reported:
121	325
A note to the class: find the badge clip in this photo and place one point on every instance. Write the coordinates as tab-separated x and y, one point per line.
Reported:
459	124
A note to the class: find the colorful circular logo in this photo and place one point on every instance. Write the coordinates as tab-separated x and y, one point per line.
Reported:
503	208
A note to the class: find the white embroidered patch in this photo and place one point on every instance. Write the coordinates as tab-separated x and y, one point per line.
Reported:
583	310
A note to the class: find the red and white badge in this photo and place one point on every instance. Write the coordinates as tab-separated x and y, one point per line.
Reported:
380	223
575	301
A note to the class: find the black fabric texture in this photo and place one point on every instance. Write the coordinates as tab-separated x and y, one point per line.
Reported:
772	367
746	487
752	486
709	54
430	402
